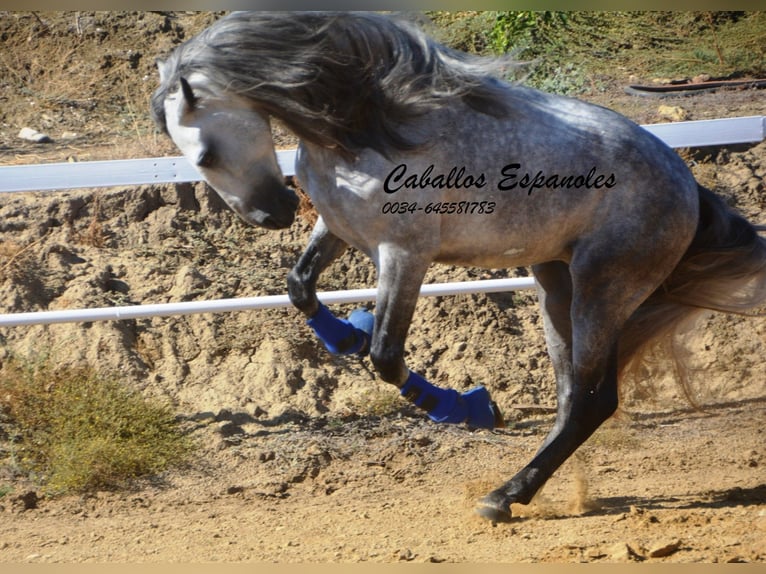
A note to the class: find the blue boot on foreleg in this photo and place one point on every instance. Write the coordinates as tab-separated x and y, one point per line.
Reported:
353	336
474	408
343	336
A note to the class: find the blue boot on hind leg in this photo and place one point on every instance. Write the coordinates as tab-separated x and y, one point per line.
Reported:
474	408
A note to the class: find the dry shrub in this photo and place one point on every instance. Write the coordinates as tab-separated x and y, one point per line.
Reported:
15	261
77	431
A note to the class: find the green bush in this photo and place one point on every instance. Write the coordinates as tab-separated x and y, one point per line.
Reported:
517	30
542	39
76	431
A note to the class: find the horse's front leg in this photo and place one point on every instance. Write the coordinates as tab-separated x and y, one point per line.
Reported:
400	277
338	335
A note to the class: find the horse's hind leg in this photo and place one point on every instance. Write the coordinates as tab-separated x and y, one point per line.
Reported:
554	292
582	328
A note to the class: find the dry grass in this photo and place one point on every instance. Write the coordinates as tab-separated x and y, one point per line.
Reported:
16	260
73	430
377	403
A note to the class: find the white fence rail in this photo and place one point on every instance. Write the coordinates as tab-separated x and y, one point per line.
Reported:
58	176
247	303
176	169
54	176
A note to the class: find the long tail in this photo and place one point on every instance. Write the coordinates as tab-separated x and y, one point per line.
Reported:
724	269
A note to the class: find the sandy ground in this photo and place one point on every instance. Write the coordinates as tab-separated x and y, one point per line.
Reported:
677	486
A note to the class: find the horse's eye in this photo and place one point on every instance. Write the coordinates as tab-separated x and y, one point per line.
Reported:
206	159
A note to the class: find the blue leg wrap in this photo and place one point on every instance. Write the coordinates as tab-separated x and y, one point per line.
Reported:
343	336
474	407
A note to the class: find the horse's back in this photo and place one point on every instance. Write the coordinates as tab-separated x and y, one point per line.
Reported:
552	176
559	171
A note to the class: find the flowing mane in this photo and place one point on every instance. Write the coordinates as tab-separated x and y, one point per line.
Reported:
342	80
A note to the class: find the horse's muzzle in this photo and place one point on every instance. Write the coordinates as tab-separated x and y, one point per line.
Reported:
281	213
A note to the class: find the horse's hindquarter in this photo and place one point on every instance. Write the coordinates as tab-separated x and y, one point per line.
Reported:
512	191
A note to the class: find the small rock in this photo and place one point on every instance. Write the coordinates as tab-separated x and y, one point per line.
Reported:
266	455
421	440
752	457
405	555
34	136
229	429
459	350
664	549
701	78
622	552
673	113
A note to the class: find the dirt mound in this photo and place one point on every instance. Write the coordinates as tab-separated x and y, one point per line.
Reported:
159	244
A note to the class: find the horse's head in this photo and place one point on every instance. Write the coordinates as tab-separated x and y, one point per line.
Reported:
231	145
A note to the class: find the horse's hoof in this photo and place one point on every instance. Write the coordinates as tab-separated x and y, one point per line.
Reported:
499	419
363	320
482	411
494	511
364	323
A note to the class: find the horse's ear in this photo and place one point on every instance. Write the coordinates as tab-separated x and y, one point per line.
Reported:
162	68
188	93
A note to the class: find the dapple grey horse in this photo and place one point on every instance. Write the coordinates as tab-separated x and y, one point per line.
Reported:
415	153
